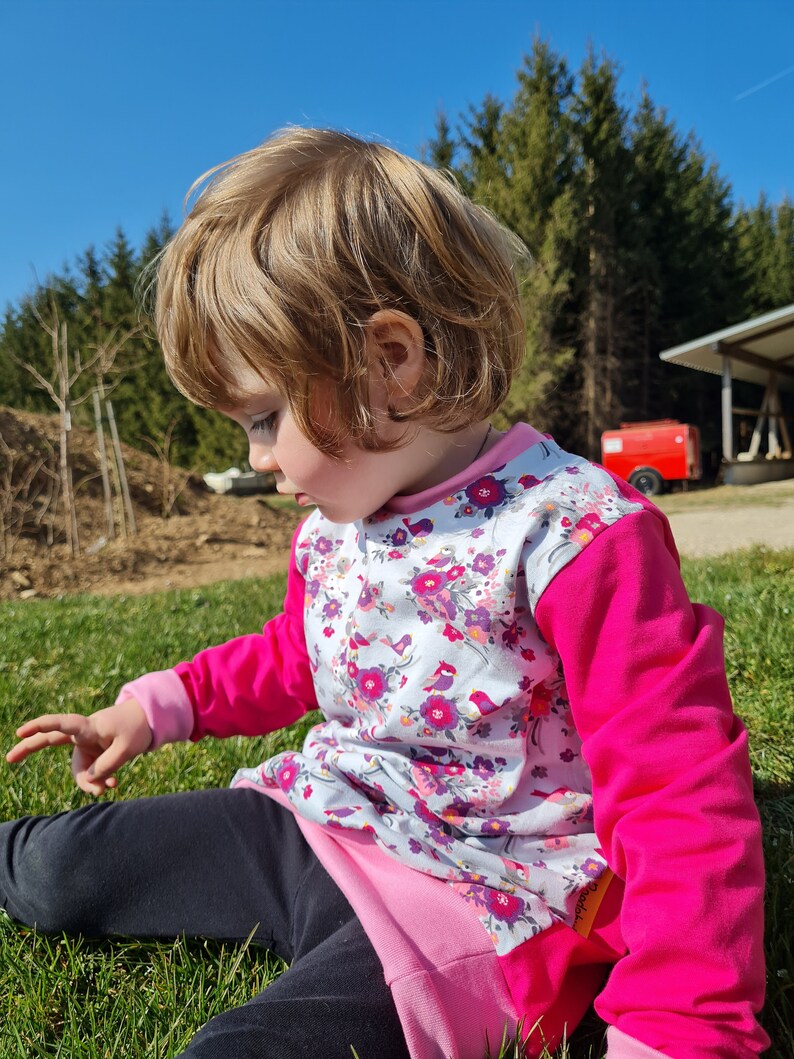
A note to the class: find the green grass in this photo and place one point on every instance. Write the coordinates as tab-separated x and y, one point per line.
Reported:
75	998
767	494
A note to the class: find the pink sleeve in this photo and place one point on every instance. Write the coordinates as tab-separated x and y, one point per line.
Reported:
672	795
248	686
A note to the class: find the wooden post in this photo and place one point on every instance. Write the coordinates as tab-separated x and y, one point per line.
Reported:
775	415
110	521
727	410
125	491
786	453
61	357
755	441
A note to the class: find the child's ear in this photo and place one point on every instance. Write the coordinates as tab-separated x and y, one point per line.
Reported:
396	348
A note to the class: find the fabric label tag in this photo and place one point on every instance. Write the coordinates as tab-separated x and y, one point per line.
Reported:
589	901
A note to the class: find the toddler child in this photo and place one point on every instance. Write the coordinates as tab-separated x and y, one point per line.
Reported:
527	770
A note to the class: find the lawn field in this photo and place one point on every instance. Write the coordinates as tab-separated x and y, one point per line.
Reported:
62	997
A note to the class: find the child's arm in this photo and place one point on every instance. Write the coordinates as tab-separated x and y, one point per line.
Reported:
102	742
672	796
250	685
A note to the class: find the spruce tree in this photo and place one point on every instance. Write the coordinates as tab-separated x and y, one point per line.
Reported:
606	239
518	162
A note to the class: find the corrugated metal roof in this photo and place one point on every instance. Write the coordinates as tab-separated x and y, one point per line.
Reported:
770	337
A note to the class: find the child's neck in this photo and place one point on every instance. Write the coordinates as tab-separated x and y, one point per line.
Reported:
440	457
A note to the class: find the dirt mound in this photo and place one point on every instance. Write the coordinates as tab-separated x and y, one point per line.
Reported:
207	538
219	538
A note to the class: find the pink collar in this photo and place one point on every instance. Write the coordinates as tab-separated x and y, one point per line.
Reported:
518	439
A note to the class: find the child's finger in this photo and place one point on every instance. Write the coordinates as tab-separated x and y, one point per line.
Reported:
29	746
110	760
88	785
72	723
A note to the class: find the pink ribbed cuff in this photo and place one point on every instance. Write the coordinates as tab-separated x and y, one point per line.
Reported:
165	703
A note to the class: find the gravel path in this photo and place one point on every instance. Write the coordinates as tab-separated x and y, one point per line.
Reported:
727	518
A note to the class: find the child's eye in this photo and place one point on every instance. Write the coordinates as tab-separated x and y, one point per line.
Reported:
264	425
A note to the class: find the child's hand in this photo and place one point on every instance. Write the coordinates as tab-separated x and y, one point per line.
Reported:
103	742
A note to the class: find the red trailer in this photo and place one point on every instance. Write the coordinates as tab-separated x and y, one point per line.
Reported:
649	455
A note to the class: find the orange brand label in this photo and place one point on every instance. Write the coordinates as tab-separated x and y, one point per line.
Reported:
589	901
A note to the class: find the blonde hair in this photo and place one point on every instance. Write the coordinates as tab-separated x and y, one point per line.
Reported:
290	248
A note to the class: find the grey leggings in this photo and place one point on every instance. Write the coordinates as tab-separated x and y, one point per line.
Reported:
212	864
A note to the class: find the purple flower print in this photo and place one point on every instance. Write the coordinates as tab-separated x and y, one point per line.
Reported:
439	712
371	683
473	877
313	588
483	563
427	583
323	545
331	608
483	767
457	810
414	846
591	868
506	907
399	537
573	471
365	598
539	772
441	836
486	492
567	755
495	827
423	617
478	617
287	773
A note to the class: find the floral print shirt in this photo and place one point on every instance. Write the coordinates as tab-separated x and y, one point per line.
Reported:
446	730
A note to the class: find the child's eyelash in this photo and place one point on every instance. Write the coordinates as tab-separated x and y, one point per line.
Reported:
264	425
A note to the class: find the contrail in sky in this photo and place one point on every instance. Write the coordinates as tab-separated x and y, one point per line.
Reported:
769	81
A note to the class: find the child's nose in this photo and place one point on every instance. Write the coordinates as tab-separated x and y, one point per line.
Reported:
261	457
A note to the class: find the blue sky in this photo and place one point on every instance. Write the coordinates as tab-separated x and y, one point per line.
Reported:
111	108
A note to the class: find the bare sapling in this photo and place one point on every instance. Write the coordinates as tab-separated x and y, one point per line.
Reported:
111	462
28	489
65	373
173	480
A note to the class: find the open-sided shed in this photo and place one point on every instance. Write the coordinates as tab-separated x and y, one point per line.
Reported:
759	351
